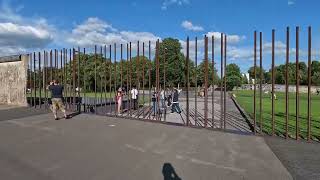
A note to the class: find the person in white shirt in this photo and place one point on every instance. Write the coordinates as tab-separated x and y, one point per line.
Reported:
134	97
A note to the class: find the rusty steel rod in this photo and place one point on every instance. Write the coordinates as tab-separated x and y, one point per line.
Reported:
110	78
261	78
149	72
309	84
196	84
130	79
30	78
287	83
127	82
212	85
84	80
74	78
297	83
138	75
225	82
221	83
187	81
205	81
35	79
121	57
78	84
95	79
115	75
273	81
40	89
164	83
254	85
105	78
143	75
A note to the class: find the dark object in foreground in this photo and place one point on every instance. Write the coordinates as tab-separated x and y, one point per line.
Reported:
169	173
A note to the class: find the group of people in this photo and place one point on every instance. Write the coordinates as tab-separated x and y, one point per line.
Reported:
119	98
168	98
160	100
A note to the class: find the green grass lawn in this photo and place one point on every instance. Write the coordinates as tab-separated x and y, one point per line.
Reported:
245	99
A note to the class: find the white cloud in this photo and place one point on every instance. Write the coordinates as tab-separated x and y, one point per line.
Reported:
18	33
189	26
98	32
167	3
291	2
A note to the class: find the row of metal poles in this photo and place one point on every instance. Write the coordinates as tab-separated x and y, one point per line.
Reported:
297	76
69	69
46	66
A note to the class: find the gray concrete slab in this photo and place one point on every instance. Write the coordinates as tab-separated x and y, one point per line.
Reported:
96	147
301	158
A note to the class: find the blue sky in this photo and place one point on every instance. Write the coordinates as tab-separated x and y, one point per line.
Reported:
35	25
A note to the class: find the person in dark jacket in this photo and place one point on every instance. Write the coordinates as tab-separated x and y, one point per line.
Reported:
57	99
175	101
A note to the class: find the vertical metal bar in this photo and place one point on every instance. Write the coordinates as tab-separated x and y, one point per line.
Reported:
130	79
105	79
115	74
61	72
221	82
110	79
55	65
95	79
121	77
45	58
51	66
261	77
84	80
70	89
35	80
225	83
74	61
297	83
40	89
101	75
143	75
273	79
287	83
30	78
157	76
127	82
158	80
150	63
309	83
187	80
138	74
254	85
164	84
213	73
78	76
205	81
196	84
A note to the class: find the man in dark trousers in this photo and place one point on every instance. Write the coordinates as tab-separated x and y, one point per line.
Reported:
57	98
175	101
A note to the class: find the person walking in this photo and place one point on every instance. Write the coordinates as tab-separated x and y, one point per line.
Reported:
175	101
57	99
134	97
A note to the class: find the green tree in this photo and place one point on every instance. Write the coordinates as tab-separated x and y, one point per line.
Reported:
233	76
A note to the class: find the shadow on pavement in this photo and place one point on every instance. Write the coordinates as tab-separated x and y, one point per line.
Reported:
169	173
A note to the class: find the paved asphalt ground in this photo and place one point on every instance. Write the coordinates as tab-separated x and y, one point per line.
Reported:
35	147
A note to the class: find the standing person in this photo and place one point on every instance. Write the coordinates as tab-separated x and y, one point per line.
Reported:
162	99
175	101
57	98
134	96
154	103
119	100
